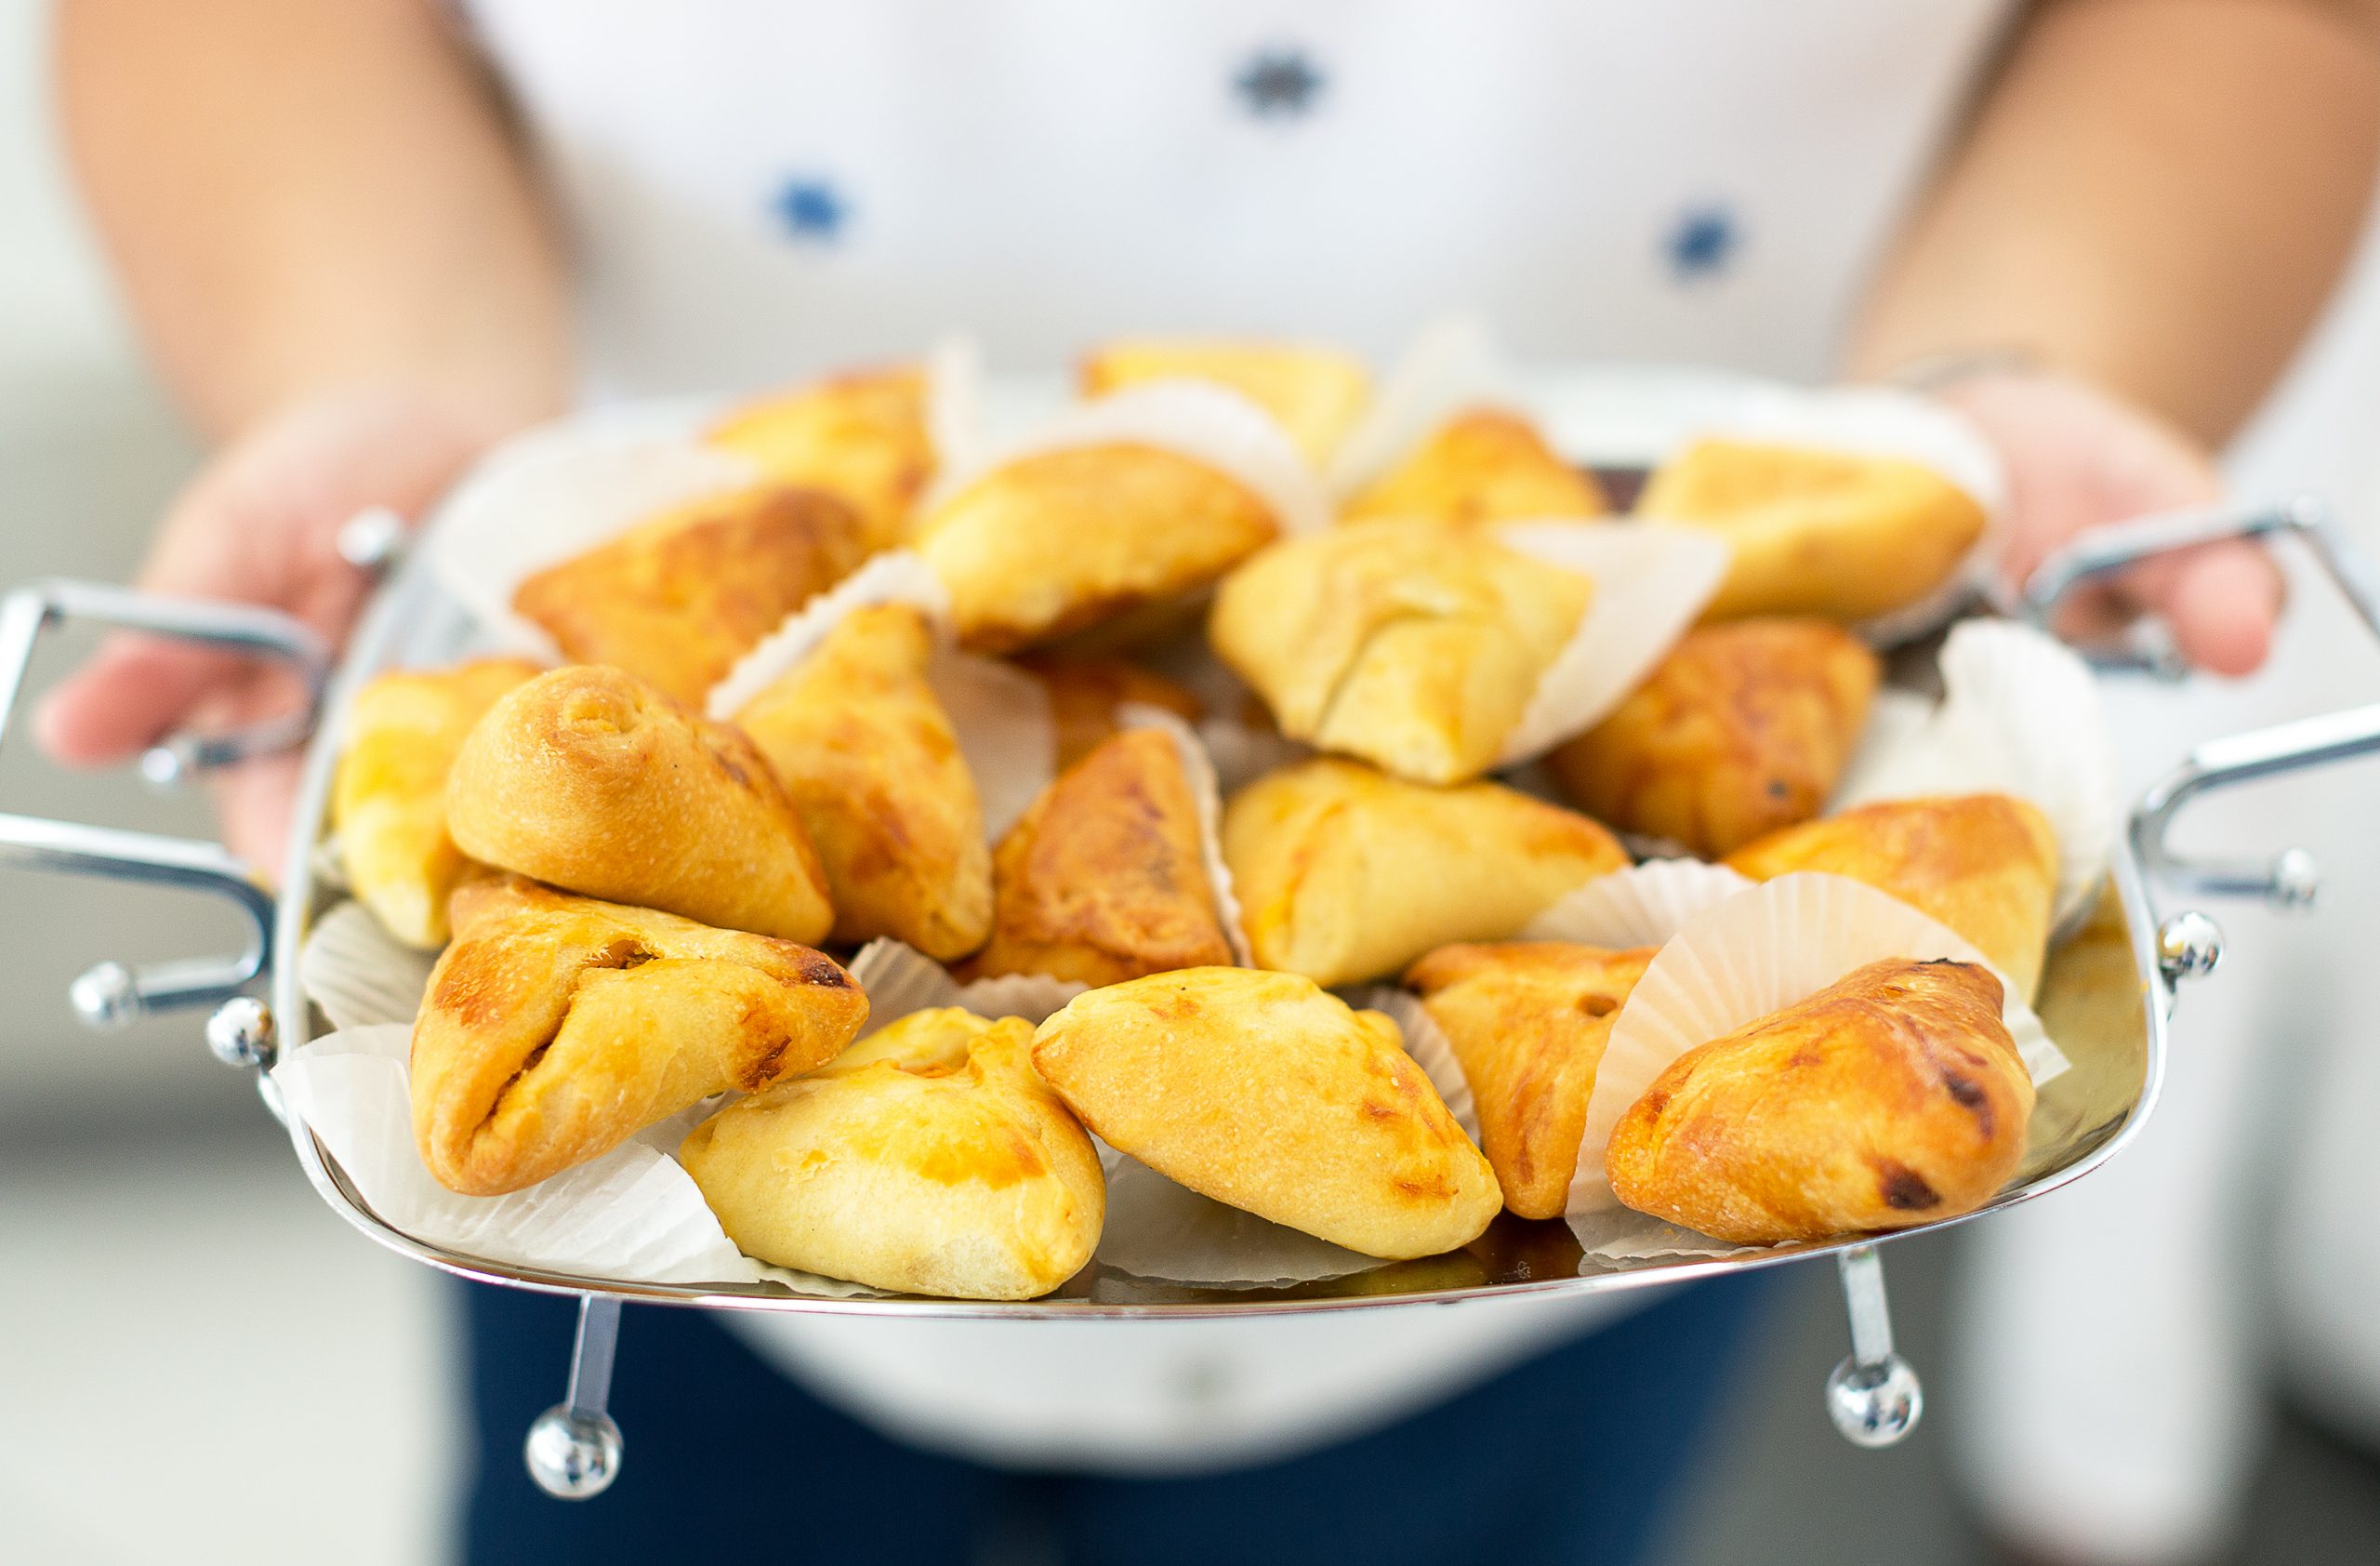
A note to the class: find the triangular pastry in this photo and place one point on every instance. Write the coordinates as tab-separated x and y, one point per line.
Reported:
867	755
1742	729
1484	464
590	779
555	1028
1103	878
1894	1096
1414	644
1268	1092
1344	873
1527	1021
1314	393
929	1158
863	437
1986	865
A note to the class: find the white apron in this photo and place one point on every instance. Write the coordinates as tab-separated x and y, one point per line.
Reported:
758	191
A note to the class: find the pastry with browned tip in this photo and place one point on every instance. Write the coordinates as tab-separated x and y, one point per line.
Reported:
927	1159
864	438
556	1028
1087	695
1527	1021
389	798
1269	1093
1986	865
679	598
1742	729
1891	1098
592	781
1103	878
862	744
1314	393
1484	464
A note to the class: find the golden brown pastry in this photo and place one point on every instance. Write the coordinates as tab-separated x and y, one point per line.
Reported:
1413	644
927	1158
1742	729
680	598
389	799
1345	873
1315	394
1528	1020
1828	532
1102	879
591	779
1086	692
868	757
1986	865
862	437
1061	540
557	1027
1484	465
1894	1096
1265	1092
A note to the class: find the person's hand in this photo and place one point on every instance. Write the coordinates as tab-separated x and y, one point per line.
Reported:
258	525
2078	457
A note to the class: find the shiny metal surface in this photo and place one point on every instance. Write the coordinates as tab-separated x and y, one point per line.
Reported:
1874	1396
242	1033
573	1449
2189	945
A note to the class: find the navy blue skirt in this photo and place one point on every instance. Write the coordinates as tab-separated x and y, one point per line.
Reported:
1570	1457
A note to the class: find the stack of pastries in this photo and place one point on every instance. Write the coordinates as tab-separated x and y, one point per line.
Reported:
637	893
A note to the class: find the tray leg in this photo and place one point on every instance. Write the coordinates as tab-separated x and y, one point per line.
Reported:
574	1448
1873	1397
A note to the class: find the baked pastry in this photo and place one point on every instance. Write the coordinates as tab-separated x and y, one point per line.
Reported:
1269	1093
1058	541
1484	465
868	757
1086	694
927	1158
389	798
1893	1096
556	1028
1315	394
1528	1020
1414	644
680	598
1744	728
590	778
863	438
1102	879
1986	865
1830	533
1344	873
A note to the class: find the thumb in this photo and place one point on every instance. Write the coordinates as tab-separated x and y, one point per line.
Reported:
133	691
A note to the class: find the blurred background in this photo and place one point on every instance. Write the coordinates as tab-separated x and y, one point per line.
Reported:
199	1362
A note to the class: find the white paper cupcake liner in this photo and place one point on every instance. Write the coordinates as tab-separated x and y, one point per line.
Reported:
899	979
1429	1048
1164	1231
1451	363
1748	957
2019	715
1644	904
898	576
358	973
1649	585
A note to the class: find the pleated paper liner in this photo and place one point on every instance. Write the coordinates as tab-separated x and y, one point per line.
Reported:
1452	363
358	973
1744	958
1166	1233
2019	715
900	979
1644	904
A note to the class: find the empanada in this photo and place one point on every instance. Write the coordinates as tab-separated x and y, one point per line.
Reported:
556	1028
1102	879
927	1158
389	799
867	754
1831	533
1414	644
1742	729
1345	873
1894	1096
1986	865
591	779
680	598
1265	1092
863	438
1528	1020
1058	541
1484	465
1087	693
1315	394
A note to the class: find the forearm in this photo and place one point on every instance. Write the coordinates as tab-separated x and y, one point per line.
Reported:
2156	195
304	197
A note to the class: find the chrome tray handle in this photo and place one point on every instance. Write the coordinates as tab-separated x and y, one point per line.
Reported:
111	994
